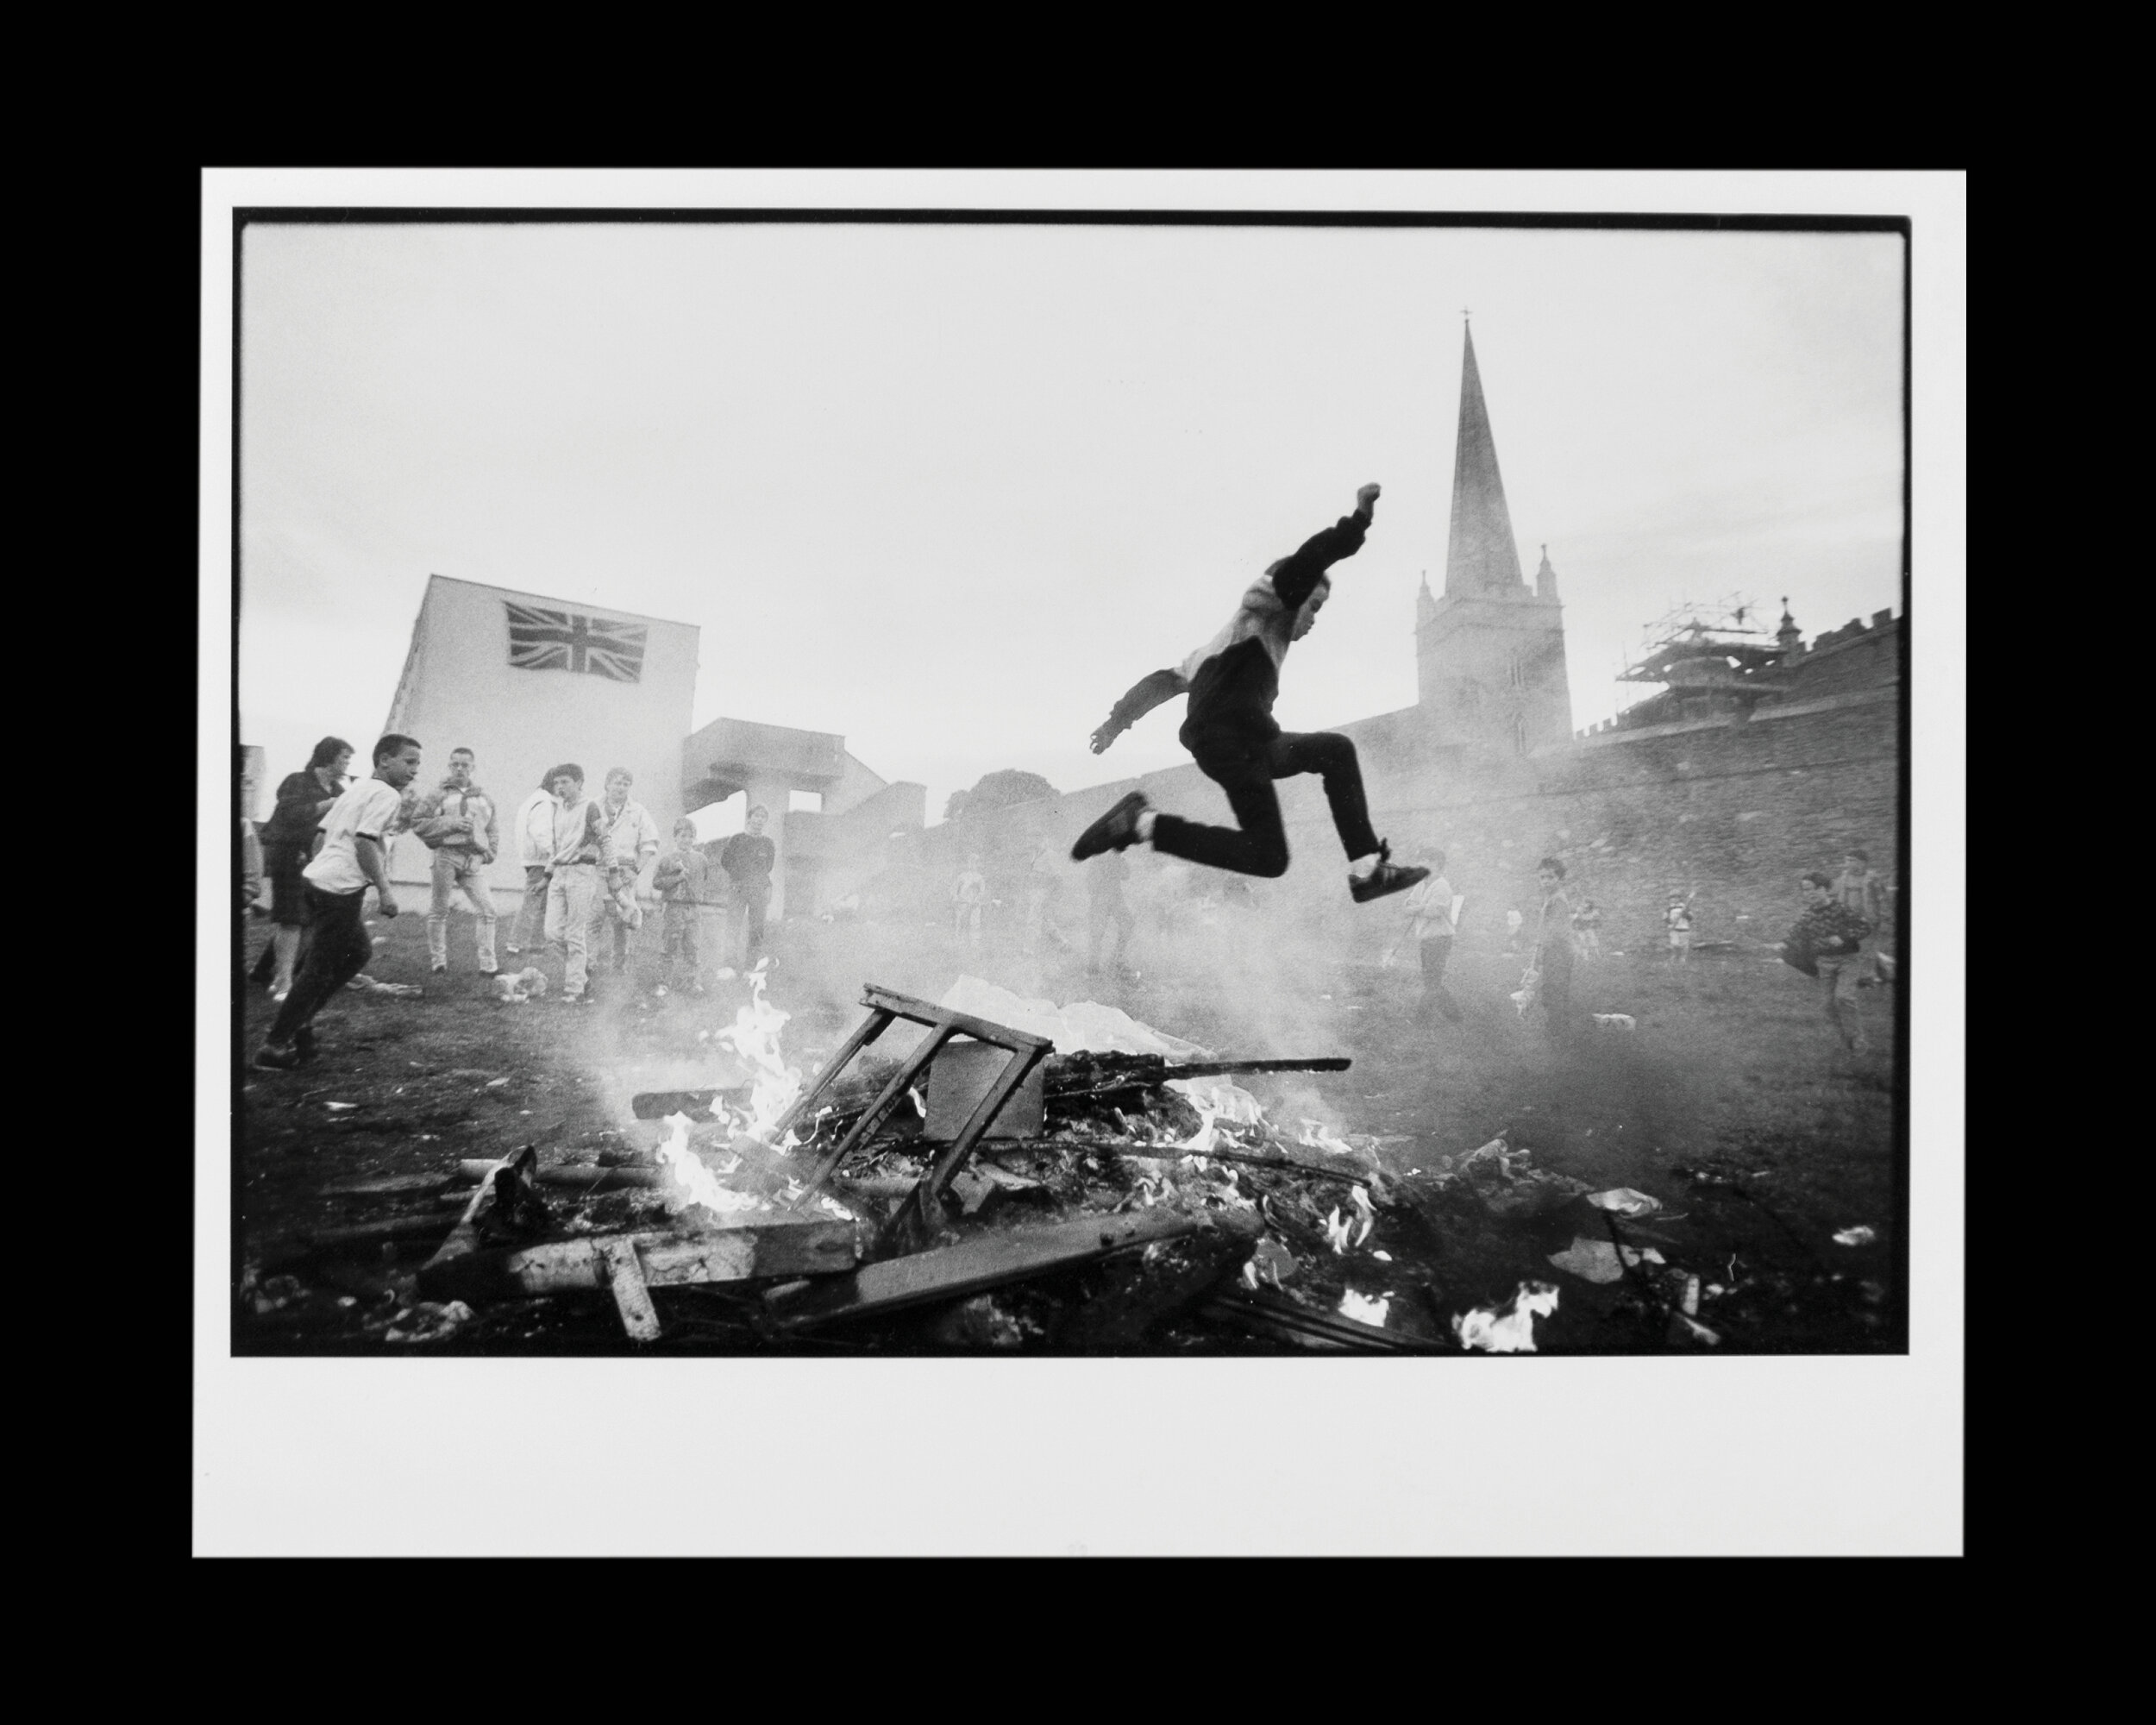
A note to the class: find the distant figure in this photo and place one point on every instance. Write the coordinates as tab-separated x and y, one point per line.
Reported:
1826	941
1864	894
969	893
1550	981
748	858
1229	729
1513	921
1677	918
1043	881
1587	942
456	822
1107	909
1430	923
250	847
354	856
535	850
680	882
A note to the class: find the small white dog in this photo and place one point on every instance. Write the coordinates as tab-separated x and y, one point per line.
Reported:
514	986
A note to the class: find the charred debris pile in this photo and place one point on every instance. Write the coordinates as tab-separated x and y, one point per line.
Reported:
988	1192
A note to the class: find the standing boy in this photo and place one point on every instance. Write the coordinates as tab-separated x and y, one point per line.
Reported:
353	857
535	850
1830	936
1233	681
748	858
1550	979
634	836
456	822
1677	918
582	854
1863	894
679	882
1430	922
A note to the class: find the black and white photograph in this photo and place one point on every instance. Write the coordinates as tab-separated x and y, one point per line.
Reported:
1111	803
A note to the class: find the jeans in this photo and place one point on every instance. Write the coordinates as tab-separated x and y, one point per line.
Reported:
456	871
678	942
746	925
1838	974
571	896
529	929
602	918
1246	774
338	947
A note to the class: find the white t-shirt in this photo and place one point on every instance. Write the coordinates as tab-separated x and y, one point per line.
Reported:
371	806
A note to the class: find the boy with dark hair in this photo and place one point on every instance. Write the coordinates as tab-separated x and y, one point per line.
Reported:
1826	942
354	856
748	858
1233	681
1864	893
678	882
1550	979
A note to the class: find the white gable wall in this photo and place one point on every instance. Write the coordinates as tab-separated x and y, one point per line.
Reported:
460	690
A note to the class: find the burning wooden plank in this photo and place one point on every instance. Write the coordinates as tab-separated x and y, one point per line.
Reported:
987	1261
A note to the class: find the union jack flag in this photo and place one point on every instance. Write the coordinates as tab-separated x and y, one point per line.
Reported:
562	641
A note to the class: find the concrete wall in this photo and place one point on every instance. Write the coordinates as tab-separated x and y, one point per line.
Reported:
460	690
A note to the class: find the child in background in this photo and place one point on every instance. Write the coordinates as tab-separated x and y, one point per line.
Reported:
1585	921
1513	922
1677	918
679	883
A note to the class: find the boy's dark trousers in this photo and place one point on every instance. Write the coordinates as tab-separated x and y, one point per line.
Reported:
1246	771
677	933
1434	956
336	949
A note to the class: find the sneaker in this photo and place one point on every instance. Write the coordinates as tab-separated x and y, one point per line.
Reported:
1117	830
513	951
661	991
1386	877
277	1059
442	969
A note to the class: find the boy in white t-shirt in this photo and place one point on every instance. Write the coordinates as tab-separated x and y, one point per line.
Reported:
353	857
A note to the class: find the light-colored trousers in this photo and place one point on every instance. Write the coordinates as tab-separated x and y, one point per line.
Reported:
455	872
1838	972
529	929
570	896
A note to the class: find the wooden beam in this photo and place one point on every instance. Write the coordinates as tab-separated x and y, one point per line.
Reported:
865	1032
765	1251
985	1261
625	1277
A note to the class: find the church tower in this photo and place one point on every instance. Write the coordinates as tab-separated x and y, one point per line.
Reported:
1490	652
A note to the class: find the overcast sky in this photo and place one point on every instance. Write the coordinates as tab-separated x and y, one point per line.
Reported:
949	490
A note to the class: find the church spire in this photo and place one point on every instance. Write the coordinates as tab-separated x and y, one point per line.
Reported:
1546	578
1482	556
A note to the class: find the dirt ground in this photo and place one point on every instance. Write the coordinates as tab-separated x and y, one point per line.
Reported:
1730	1101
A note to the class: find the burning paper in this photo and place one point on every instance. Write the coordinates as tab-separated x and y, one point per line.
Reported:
1366	1218
1509	1328
1337	1232
689	1182
1364	1308
1856	1236
1624	1201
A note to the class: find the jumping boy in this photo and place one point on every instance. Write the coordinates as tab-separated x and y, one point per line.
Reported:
1233	681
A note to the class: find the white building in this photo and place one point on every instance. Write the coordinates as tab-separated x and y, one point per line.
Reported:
527	682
